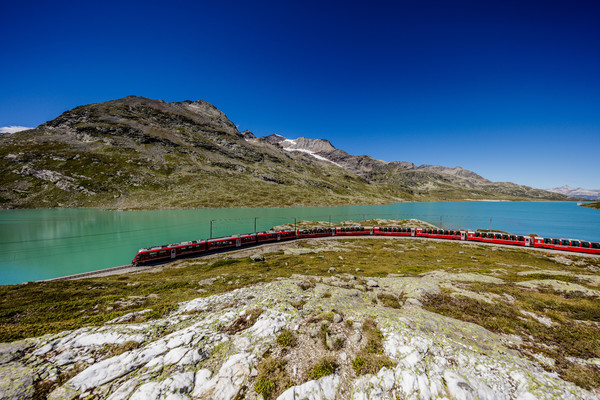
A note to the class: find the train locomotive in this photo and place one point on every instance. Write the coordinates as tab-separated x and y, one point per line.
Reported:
164	253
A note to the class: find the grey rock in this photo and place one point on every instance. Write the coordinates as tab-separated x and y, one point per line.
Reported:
11	351
331	270
328	341
337	318
16	382
208	281
355	337
372	283
414	302
314	332
257	257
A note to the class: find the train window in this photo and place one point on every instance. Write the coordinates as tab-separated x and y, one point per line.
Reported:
162	252
547	240
477	234
585	244
520	238
595	245
513	237
574	243
555	241
565	242
451	233
505	237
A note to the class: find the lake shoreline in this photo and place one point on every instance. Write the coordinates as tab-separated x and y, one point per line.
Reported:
50	243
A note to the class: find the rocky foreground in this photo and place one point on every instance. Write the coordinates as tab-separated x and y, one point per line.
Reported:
302	337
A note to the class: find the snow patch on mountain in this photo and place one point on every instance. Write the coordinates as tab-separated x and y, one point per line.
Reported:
592	194
13	129
293	145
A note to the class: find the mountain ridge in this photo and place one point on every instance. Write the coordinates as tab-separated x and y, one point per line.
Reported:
591	194
138	153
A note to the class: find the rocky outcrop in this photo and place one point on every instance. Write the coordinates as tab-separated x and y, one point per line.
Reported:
61	181
191	354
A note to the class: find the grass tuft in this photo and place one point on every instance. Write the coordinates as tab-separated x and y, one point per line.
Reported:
325	366
286	338
272	378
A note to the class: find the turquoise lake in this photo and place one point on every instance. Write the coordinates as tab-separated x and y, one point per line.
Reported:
48	243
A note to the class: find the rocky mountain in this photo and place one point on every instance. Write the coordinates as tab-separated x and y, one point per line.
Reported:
135	152
591	194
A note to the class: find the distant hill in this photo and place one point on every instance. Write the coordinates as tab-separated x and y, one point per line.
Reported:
139	153
591	194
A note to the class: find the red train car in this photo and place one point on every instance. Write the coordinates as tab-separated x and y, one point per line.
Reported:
276	236
353	230
394	231
442	234
316	232
230	242
169	251
501	238
581	246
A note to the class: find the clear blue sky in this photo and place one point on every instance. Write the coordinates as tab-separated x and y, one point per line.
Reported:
509	89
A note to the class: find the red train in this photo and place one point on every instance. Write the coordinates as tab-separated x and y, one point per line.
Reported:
195	247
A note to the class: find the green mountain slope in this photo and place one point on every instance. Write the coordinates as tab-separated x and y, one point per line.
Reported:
137	153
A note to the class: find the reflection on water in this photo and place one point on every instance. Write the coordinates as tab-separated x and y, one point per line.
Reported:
46	243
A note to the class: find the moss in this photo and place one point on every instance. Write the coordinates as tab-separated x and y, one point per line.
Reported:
371	358
373	336
306	284
298	304
390	300
121	348
366	363
325	366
